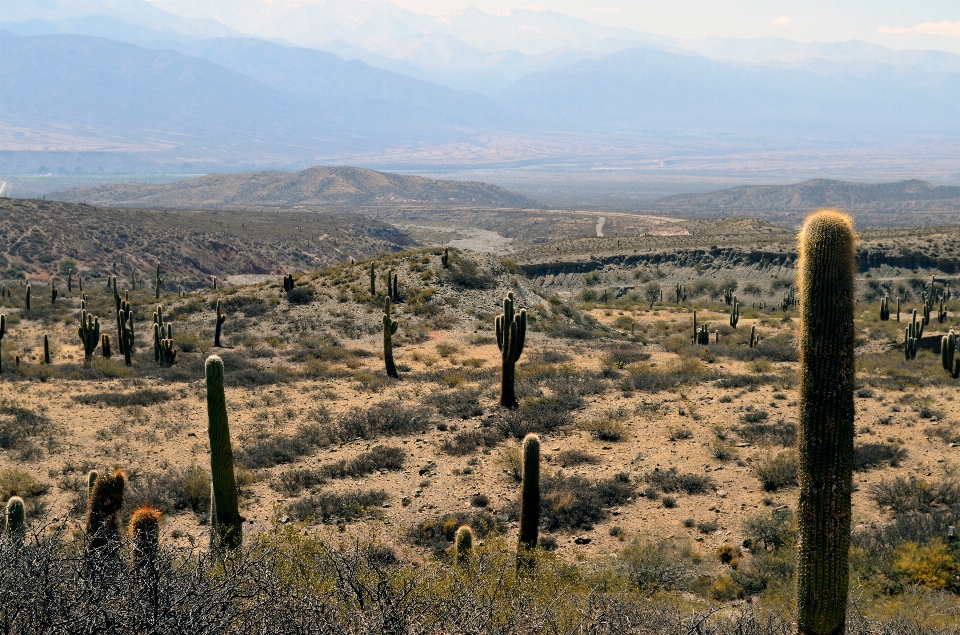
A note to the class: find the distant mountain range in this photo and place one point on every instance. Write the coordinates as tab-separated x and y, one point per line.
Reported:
903	196
319	186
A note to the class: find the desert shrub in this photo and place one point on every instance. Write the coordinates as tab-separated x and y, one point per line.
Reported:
292	481
708	526
773	530
540	415
461	404
144	397
479	500
467	274
680	434
671	481
778	472
575	502
468	441
18	425
238	371
913	495
172	490
742	381
18	482
379	457
249	305
868	455
778	348
669	501
388	418
781	433
510	461
549	356
607	428
649	378
330	507
754	416
622	356
658	565
270	449
933	565
437	534
302	295
574	457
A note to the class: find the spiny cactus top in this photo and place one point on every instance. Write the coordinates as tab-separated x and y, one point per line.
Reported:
144	530
826	277
530	493
16	519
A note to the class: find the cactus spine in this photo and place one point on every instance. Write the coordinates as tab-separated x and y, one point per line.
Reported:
463	545
511	336
144	530
373	278
529	498
159	281
827	267
103	510
226	524
221	318
89	332
389	329
16	521
46	349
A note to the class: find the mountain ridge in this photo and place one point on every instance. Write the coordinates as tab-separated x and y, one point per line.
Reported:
317	186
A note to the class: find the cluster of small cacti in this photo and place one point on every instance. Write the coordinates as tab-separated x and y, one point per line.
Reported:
885	308
789	299
701	334
949	358
288	283
389	329
392	291
89	332
511	328
681	292
728	297
911	336
163	351
226	524
221	318
735	312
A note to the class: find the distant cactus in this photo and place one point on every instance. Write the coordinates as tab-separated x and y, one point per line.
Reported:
389	329
80	282
159	282
105	346
53	292
373	278
91	480
445	258
948	350
125	327
160	331
221	318
226	524
529	498
28	297
735	313
46	349
884	308
701	334
144	530
511	328
753	336
728	297
16	521
288	283
463	545
941	313
911	336
898	309
215	282
89	332
70	280
103	511
3	331
394	291
827	270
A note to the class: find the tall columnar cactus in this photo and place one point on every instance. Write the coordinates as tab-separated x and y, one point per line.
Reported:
15	521
394	291
373	278
144	531
125	331
89	332
445	258
947	346
103	510
213	279
105	346
511	335
53	292
28	297
226	524
168	354
678	291
941	313
80	282
46	349
728	297
529	497
463	545
288	283
389	329
753	336
3	331
735	313
221	318
159	281
159	330
885	308
827	268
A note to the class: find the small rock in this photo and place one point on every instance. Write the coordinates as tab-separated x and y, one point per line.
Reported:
721	493
191	434
582	540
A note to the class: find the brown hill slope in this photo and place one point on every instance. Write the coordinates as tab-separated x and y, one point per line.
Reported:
873	197
35	236
315	186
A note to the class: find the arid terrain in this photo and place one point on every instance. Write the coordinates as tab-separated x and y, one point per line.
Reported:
648	438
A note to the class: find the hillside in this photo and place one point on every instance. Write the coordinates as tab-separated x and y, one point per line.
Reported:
37	236
315	186
903	196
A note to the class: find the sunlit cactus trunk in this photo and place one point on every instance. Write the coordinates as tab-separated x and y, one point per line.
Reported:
827	376
226	524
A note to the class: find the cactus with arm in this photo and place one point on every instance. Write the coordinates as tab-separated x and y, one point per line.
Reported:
221	318
389	329
89	332
511	330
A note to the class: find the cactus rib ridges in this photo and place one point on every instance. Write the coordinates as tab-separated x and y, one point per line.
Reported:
826	275
463	544
226	523
103	509
529	496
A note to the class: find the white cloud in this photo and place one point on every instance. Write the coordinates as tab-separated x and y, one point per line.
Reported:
783	21
606	10
942	28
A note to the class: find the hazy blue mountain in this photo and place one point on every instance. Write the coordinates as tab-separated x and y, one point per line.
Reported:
652	90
